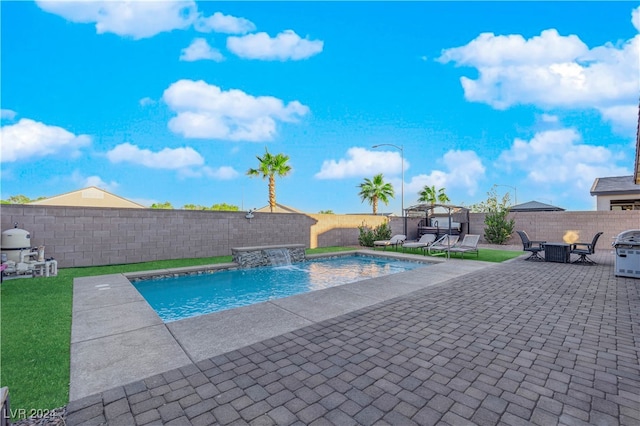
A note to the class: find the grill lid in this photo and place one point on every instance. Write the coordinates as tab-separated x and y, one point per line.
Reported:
630	237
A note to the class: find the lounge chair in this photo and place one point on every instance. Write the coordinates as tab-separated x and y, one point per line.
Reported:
585	249
394	241
469	244
425	241
534	247
443	245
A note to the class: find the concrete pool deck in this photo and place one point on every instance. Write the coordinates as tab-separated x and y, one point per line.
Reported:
117	338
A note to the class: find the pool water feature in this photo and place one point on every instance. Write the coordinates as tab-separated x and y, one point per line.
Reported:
177	298
279	257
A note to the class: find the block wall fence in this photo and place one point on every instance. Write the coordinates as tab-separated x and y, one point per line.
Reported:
77	236
551	226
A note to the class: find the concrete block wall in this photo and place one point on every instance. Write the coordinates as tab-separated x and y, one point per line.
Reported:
552	226
342	230
104	236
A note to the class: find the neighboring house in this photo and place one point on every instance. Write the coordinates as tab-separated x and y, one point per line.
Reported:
636	174
280	208
88	197
616	193
535	206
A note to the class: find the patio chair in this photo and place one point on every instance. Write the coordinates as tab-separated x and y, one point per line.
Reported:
443	245
394	241
425	241
585	249
469	244
534	247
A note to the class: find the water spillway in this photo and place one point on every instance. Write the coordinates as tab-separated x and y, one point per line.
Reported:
276	255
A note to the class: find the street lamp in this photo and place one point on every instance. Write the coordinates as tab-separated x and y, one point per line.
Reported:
515	192
401	148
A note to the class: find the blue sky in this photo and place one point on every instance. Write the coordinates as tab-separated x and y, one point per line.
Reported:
164	101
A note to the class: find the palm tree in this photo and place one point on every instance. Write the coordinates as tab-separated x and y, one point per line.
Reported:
374	190
430	195
271	166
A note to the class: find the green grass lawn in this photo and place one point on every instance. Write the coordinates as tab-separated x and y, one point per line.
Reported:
486	255
35	326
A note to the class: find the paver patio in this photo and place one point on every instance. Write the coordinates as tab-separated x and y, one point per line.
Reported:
513	343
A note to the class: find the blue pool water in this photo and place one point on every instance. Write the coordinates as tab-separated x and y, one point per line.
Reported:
191	295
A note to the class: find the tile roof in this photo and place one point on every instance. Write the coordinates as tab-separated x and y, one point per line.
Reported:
615	185
535	206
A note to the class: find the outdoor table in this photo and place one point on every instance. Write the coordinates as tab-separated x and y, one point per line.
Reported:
557	252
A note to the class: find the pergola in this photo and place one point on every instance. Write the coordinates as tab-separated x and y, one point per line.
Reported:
427	207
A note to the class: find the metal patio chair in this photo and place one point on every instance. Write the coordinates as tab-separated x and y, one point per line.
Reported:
534	247
585	249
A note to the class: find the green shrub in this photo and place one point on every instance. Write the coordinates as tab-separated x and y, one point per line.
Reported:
498	228
369	235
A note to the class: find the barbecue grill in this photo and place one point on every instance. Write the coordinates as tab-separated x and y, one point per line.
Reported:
627	245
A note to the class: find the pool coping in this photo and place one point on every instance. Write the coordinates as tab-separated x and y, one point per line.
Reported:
117	338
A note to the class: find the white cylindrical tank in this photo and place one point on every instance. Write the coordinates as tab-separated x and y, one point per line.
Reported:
13	242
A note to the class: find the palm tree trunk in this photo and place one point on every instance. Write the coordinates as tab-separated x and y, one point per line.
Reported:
375	205
272	193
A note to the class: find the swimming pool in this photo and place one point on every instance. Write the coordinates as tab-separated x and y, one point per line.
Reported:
187	296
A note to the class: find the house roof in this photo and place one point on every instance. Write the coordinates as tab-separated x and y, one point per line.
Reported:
617	185
636	174
280	208
535	206
88	197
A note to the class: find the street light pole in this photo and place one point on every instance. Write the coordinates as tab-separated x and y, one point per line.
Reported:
401	148
515	192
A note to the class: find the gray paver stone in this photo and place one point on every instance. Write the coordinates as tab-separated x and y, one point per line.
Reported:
147	417
282	416
116	408
170	411
225	414
112	395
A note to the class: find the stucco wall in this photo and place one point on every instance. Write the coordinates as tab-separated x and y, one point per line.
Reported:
603	202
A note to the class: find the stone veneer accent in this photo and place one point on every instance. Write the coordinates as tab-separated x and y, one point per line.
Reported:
252	257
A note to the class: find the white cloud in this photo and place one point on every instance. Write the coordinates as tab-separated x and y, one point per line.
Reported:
489	50
207	112
83	181
168	158
226	24
7	114
198	50
146	101
286	45
137	19
186	161
462	170
549	118
30	139
623	118
217	173
222	173
635	18
362	162
559	157
99	183
550	71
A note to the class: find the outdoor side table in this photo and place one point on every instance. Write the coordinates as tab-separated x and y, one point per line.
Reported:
557	252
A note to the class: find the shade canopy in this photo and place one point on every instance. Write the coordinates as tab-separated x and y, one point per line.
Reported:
425	207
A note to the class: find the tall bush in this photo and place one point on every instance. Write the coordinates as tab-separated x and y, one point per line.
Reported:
498	228
368	235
